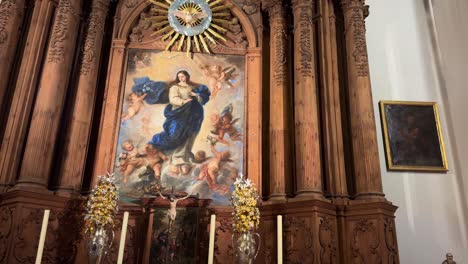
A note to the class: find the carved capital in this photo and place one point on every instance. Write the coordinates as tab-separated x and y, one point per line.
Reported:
274	8
350	4
302	4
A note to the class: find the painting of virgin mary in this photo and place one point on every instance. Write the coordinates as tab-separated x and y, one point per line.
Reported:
177	133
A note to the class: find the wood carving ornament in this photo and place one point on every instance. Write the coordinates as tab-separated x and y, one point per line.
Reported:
357	25
95	26
327	240
6	228
303	27
279	38
363	227
60	31
6	10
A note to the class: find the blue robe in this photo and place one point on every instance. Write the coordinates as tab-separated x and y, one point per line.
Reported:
181	123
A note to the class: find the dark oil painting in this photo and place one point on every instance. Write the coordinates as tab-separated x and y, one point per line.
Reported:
412	135
175	245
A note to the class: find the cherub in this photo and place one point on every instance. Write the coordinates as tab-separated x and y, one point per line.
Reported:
135	103
224	124
127	158
209	171
153	158
216	76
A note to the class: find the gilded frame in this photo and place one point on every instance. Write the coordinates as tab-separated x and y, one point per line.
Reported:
404	145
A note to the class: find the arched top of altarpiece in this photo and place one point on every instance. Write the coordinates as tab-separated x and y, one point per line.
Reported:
135	30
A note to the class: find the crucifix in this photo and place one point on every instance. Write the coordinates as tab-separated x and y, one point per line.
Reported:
173	199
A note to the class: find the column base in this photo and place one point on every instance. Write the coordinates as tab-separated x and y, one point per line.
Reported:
277	198
309	193
370	196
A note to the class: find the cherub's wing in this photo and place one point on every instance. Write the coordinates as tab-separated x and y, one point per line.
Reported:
200	15
179	14
227	110
229	70
234	121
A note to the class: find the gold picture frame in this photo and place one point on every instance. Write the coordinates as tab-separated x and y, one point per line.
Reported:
413	136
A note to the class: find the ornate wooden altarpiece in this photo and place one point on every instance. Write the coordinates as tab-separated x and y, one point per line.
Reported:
309	127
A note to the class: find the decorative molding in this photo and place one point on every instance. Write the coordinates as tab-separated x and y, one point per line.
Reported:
6	228
7	8
96	23
60	32
365	239
299	239
130	3
328	241
346	5
249	6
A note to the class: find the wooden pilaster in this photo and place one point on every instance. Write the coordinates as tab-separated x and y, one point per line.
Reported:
77	138
51	96
23	97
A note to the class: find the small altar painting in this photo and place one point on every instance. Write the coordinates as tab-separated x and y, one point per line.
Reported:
176	244
182	124
413	136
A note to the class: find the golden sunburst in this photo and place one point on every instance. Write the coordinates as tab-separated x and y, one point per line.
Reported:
189	22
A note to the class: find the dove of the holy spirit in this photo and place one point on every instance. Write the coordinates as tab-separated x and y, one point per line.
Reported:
189	15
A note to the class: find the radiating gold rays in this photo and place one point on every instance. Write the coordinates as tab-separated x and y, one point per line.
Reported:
189	15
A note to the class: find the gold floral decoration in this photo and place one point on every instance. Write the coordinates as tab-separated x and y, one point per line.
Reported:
102	205
246	216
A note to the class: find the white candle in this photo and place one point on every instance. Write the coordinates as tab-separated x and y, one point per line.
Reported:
212	236
122	238
40	248
280	239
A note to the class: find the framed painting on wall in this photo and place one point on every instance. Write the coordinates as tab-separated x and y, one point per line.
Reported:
413	136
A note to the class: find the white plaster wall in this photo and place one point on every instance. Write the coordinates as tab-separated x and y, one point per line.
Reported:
431	218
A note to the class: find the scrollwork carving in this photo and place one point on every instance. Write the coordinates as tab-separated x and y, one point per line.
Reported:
390	240
365	243
95	27
223	233
327	240
6	226
299	240
60	31
27	237
7	8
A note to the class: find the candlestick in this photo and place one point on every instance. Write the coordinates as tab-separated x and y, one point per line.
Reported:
212	236
122	238
42	237
280	239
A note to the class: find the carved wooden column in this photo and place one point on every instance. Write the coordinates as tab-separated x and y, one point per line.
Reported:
363	130
333	147
38	155
77	138
23	97
11	18
103	161
308	168
279	151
